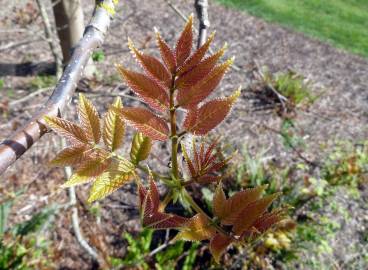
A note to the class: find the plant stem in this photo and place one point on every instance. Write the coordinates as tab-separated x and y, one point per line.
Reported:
174	136
166	201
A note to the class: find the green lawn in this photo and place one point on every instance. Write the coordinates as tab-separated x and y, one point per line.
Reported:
343	23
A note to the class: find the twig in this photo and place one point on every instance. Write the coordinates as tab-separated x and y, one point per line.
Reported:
75	218
18	143
161	247
280	97
314	164
201	7
30	96
11	45
185	18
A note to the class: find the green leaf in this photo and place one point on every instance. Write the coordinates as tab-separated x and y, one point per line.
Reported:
35	223
4	212
141	146
191	257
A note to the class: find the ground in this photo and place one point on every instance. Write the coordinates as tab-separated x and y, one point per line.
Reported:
339	79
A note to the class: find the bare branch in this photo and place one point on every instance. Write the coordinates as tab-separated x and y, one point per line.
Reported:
50	39
201	7
18	143
28	97
185	18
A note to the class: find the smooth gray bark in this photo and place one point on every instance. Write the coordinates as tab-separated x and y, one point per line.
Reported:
18	143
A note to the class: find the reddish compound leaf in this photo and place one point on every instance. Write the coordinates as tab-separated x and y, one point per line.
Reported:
154	195
142	194
190	165
267	220
191	117
197	73
166	53
196	56
164	221
70	156
251	213
151	65
89	119
204	163
201	90
197	228
151	216
114	127
67	129
212	113
184	44
237	202
146	122
152	92
207	179
218	245
220	202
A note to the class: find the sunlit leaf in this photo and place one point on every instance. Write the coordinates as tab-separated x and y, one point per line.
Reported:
70	156
191	117
189	162
151	216
89	119
88	171
235	204
204	87
107	183
251	213
197	228
212	113
67	129
152	92
141	147
146	122
200	71
114	127
204	163
167	54
197	56
151	65
185	42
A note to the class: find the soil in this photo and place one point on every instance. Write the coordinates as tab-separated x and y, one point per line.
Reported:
340	79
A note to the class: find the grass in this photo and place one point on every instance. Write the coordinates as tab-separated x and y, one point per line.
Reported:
343	23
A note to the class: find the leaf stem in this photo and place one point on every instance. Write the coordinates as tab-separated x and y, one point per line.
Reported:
156	175
166	200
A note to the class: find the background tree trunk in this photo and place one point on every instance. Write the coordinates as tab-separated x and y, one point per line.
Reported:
69	21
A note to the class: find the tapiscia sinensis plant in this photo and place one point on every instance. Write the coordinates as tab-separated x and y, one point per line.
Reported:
181	80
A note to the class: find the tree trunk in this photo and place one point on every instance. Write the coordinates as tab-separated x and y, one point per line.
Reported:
69	23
